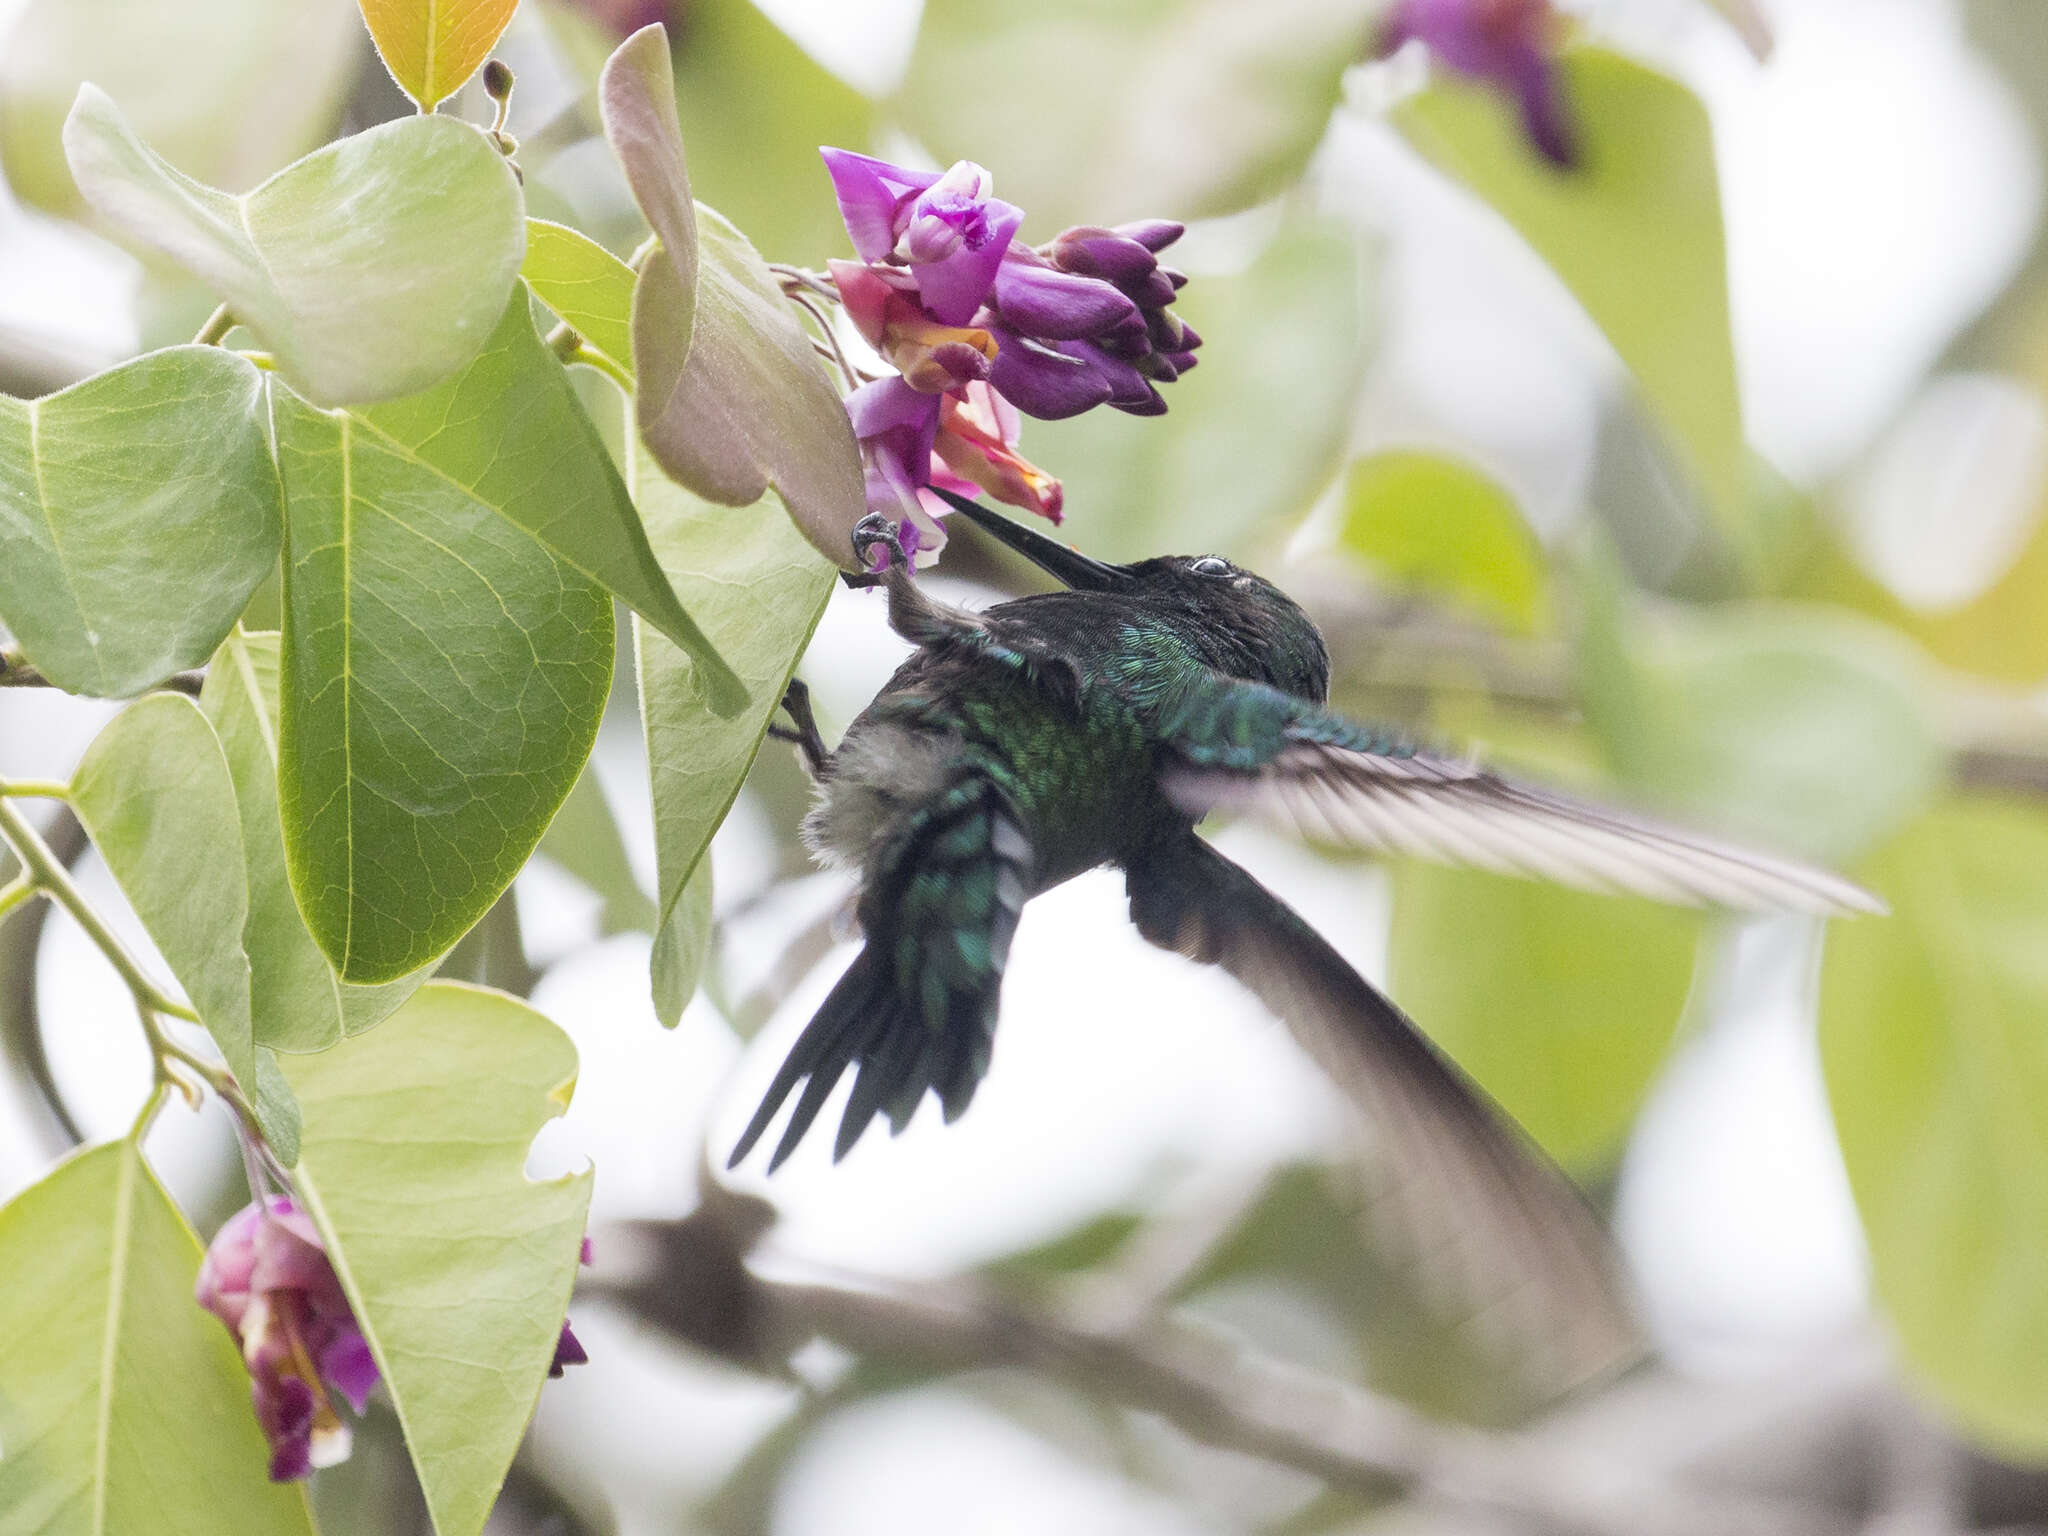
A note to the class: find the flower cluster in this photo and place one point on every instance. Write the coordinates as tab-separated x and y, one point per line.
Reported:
1511	44
268	1278
981	327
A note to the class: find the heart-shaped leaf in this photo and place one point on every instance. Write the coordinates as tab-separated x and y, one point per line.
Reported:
1634	231
1937	1066
759	590
732	398
297	1003
198	75
155	793
1561	1004
138	511
432	46
443	671
127	1407
306	260
458	1266
586	285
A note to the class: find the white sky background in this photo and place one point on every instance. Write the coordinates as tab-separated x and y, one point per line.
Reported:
1879	185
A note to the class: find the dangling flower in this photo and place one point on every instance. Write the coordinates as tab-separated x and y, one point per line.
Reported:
976	450
1511	44
267	1276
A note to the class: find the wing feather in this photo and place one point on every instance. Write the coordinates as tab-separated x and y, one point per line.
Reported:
1453	812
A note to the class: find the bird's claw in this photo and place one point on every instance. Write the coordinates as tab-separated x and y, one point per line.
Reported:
876	529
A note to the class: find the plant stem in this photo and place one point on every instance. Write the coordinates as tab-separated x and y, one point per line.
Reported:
215	331
604	365
35	789
15	893
45	873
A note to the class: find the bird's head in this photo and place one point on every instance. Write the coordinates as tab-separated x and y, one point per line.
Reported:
1239	622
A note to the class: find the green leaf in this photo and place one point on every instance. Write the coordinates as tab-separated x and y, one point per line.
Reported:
1805	728
1937	1066
1561	1004
297	1003
1634	232
682	946
444	672
458	1266
754	107
198	75
586	285
432	46
1252	435
138	511
584	838
155	794
1443	528
127	1407
305	261
760	590
732	399
1091	113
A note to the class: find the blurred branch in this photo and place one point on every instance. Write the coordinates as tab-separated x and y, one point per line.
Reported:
16	671
21	1029
1225	1395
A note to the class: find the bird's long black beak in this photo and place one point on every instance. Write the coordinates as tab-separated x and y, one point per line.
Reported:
1054	558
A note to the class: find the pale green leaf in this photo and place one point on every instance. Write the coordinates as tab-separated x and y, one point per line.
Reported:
198	78
305	261
443	671
732	399
1634	231
1251	436
584	838
1937	1068
155	793
754	109
457	1264
127	1408
1091	113
1433	525
1807	729
682	946
432	46
138	511
297	1003
586	285
1561	1004
759	590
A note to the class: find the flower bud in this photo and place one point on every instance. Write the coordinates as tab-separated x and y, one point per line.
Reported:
1096	252
497	80
1153	234
1050	381
1042	301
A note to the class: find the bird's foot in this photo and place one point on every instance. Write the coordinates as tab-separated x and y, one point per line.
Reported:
876	531
803	729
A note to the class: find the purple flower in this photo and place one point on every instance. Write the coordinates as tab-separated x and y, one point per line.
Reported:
950	230
267	1276
1511	44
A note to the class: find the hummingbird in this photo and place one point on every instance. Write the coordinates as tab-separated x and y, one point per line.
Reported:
1097	725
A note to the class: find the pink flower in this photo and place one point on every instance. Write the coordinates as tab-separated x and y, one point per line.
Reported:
267	1276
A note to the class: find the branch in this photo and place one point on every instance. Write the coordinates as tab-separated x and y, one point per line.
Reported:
16	671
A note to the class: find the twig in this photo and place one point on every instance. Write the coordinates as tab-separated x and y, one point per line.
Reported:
16	671
215	331
833	352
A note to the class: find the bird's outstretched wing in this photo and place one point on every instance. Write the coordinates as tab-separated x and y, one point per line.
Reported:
1496	1230
1249	749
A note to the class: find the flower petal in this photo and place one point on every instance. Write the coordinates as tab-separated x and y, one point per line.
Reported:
1038	300
953	289
348	1366
870	193
1048	380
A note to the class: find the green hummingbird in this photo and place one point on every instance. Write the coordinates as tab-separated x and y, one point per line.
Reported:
1021	745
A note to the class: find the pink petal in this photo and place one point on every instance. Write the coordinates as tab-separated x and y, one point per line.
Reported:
870	192
953	289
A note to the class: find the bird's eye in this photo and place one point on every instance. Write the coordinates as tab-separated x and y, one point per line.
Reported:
1211	565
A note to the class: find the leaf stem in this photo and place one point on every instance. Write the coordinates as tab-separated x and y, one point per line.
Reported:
593	358
43	870
16	892
217	326
35	789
